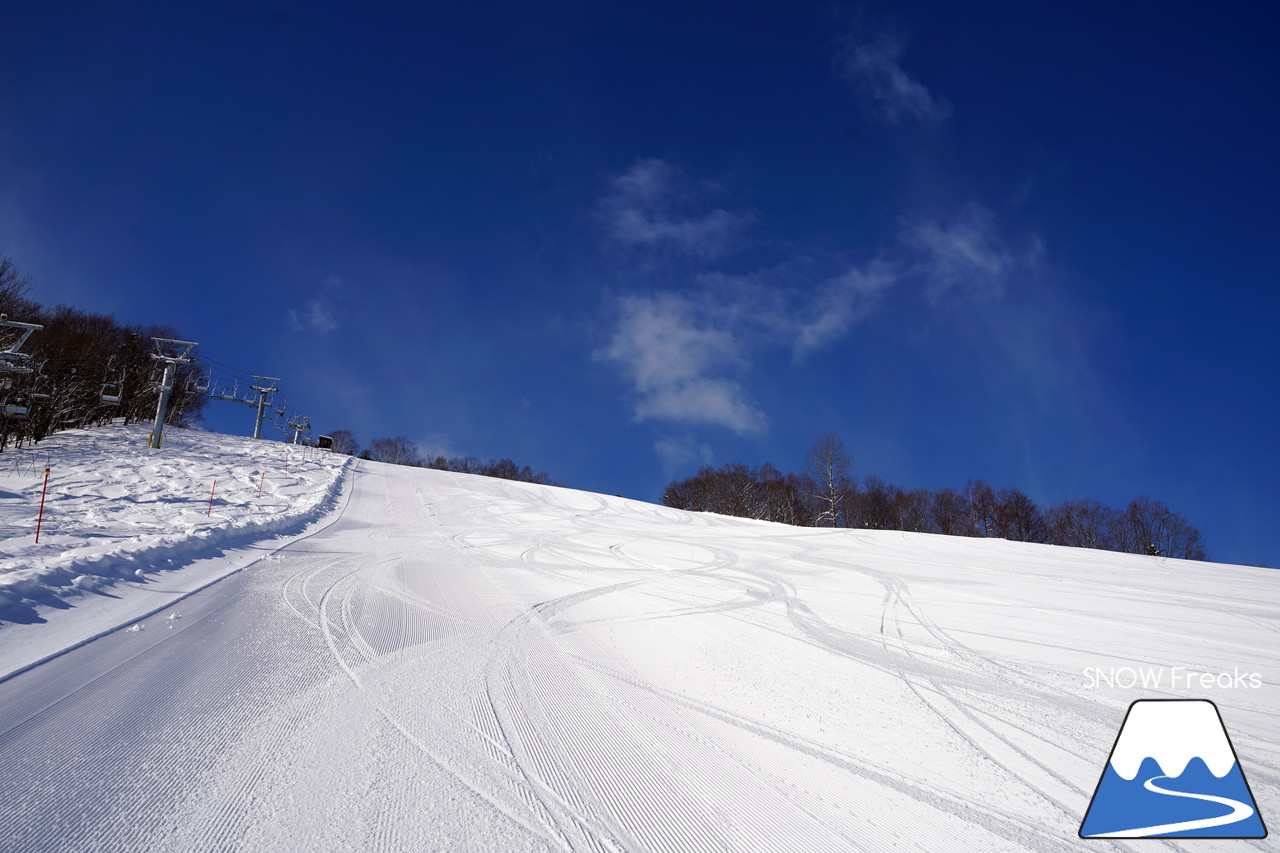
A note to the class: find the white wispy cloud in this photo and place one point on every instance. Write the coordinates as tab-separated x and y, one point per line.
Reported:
874	66
684	352
687	348
654	205
678	360
838	305
704	399
317	316
965	251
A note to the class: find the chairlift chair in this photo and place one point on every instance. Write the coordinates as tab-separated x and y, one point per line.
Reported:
200	384
39	382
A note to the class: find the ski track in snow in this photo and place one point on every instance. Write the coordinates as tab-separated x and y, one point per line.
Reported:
459	663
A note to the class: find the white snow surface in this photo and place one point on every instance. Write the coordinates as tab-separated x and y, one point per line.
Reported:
1172	733
451	662
121	519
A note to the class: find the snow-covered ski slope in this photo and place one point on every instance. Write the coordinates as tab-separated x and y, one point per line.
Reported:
120	521
461	663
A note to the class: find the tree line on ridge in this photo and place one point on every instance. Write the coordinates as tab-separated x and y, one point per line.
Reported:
399	450
826	495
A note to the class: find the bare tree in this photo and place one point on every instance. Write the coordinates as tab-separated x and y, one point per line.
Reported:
783	497
397	451
13	290
1147	526
981	500
344	442
950	513
1018	518
741	492
503	469
1082	523
912	510
683	494
876	507
828	465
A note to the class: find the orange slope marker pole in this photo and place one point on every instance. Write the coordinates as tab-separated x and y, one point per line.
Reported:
43	492
211	491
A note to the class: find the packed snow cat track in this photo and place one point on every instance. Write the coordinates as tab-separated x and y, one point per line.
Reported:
459	663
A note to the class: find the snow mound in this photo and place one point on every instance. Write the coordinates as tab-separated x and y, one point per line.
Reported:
118	512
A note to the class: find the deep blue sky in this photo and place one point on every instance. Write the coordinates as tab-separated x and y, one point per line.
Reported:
1033	243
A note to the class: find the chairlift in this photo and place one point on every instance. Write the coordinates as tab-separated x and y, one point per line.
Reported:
110	393
200	384
39	382
15	412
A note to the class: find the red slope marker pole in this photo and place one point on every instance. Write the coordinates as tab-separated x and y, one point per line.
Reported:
211	491
43	492
260	482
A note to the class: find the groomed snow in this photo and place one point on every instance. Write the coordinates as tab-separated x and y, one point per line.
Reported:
461	663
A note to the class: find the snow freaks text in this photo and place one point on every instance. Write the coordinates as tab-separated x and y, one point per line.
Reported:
1172	677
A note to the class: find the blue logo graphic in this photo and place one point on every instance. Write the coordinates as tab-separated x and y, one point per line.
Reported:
1173	773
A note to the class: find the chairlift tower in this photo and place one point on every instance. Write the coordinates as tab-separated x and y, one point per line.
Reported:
12	360
299	424
264	385
172	353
